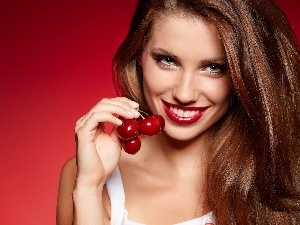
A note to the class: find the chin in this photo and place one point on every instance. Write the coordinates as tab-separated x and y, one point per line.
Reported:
182	136
188	134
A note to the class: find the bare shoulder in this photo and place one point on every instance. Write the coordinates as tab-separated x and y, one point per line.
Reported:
67	179
69	168
64	209
68	175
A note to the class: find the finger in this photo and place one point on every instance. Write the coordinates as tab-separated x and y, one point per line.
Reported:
122	102
80	119
119	106
126	100
108	108
117	109
100	103
114	135
92	123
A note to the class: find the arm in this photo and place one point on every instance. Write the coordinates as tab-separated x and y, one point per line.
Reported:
83	178
67	194
64	208
88	207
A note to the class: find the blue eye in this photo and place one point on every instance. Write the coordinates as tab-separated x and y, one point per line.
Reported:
216	68
165	61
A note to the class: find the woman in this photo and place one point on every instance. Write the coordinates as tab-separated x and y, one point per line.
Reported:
225	76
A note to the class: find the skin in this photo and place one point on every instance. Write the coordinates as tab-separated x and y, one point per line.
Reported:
184	56
168	172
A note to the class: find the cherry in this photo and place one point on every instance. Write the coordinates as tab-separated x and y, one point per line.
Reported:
131	146
151	125
161	121
129	129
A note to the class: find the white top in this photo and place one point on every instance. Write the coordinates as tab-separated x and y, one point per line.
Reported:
119	214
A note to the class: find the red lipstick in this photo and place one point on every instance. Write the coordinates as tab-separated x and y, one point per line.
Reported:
183	120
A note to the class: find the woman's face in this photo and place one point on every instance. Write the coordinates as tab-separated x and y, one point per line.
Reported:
185	75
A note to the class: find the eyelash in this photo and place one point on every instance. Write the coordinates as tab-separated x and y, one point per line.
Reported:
166	61
216	68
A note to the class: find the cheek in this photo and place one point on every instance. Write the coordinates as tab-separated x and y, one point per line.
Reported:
153	78
151	87
219	91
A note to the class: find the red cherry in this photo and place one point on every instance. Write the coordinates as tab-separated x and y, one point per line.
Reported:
150	126
131	146
161	121
129	129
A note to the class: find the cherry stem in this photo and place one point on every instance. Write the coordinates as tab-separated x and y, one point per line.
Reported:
140	111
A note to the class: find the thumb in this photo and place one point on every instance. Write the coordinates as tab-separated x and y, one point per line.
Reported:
115	137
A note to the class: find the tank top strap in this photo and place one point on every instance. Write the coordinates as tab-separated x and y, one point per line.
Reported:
116	195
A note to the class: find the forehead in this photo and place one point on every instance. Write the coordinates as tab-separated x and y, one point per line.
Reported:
168	18
183	32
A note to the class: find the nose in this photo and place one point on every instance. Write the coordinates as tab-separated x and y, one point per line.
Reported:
185	90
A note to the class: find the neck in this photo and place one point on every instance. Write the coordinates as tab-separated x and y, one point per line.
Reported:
186	162
179	157
175	168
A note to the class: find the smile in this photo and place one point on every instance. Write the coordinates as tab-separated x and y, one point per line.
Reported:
183	115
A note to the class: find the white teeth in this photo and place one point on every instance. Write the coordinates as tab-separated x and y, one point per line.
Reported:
184	113
180	112
175	110
192	113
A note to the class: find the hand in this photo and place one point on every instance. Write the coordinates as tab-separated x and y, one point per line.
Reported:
98	152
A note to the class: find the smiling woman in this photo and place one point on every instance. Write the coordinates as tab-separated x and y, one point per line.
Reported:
186	57
225	77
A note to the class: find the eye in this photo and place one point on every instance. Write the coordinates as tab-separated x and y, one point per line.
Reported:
165	61
216	69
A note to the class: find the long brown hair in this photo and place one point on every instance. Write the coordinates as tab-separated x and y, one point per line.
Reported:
254	173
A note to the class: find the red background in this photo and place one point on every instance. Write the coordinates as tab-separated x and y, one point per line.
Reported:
55	63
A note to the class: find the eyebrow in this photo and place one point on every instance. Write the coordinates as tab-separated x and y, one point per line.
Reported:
163	51
205	61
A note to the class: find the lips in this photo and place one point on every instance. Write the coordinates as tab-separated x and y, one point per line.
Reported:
183	115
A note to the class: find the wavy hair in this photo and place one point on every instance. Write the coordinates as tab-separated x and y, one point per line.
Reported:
254	172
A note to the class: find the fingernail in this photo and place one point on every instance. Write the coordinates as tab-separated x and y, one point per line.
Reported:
119	122
134	104
135	112
130	112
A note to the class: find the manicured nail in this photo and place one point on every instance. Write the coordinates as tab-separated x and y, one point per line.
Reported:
130	112
136	113
119	122
134	104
